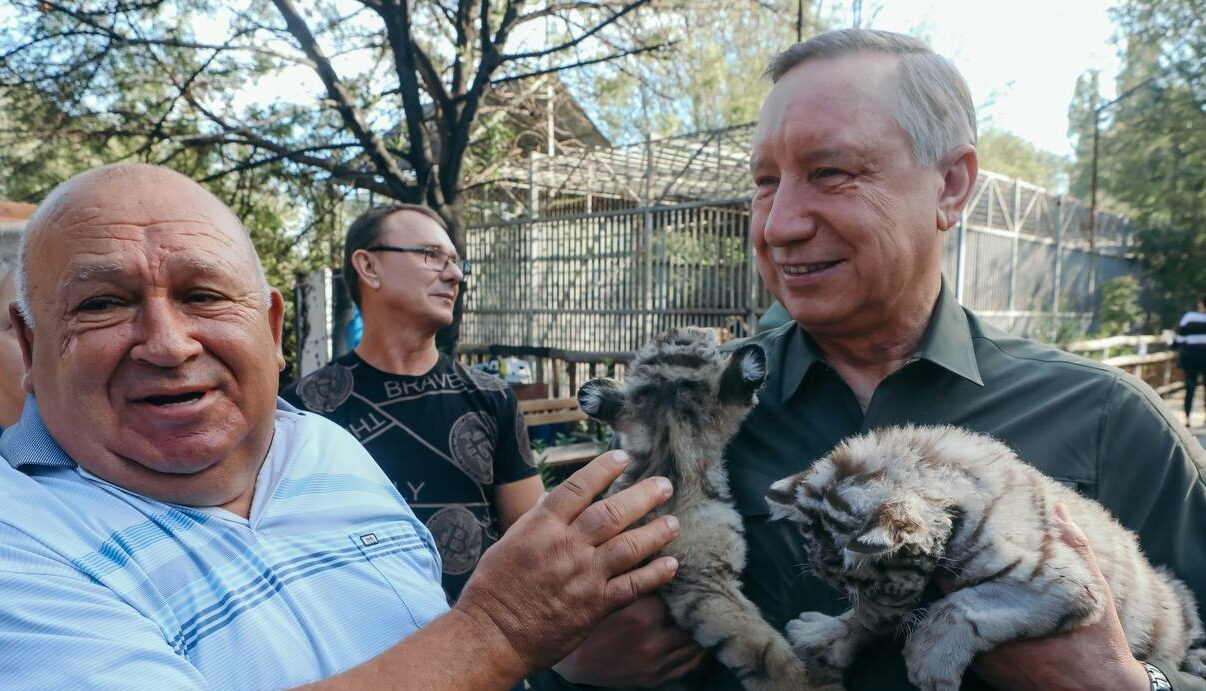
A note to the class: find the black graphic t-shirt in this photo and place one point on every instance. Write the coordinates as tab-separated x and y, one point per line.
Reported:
444	438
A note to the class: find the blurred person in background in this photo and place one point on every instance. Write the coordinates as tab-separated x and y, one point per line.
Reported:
12	397
1191	344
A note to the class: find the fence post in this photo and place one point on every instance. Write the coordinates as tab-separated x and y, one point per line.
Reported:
647	245
1013	245
313	320
1059	242
533	191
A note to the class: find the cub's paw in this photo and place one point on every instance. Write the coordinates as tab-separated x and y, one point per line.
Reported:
822	641
935	671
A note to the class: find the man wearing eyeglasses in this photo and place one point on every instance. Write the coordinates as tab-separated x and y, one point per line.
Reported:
450	438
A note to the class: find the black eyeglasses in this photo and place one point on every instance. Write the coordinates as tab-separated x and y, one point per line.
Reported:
435	258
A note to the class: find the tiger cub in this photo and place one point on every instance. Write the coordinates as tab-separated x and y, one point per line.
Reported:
885	509
680	404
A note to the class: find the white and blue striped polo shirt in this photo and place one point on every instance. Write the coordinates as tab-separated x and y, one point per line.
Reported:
102	588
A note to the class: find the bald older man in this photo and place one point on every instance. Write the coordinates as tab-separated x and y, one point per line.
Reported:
166	521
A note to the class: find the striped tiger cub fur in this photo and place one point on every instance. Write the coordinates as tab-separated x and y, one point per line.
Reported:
681	403
882	511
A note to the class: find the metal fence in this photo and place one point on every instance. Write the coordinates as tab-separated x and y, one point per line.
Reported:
609	280
597	250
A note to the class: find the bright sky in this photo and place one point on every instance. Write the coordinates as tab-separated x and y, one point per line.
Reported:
1021	58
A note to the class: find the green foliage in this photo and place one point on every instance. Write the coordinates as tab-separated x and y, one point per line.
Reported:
1152	148
1120	310
548	478
708	79
1008	154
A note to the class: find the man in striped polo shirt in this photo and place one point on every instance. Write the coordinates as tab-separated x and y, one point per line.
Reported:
167	522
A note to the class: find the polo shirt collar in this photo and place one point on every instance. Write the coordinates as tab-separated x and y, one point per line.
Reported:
28	443
947	342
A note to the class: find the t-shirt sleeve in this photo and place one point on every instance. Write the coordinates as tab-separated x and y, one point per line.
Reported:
514	460
60	631
1150	476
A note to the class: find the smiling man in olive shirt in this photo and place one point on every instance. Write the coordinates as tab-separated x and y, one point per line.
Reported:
863	158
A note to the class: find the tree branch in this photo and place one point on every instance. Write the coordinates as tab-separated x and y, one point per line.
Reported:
397	25
583	63
580	37
347	109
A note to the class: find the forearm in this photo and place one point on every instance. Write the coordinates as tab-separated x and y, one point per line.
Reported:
453	653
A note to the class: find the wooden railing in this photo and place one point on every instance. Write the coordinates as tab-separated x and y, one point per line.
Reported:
557	373
1150	358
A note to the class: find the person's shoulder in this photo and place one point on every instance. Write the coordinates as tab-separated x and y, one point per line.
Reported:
477	379
313	445
325	389
1033	354
49	518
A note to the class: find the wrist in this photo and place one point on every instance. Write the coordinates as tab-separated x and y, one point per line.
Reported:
497	647
1155	679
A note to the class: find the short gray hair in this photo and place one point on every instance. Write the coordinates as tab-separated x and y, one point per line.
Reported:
935	106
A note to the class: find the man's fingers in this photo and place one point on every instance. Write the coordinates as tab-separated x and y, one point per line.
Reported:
679	667
1074	537
605	519
569	498
627	587
631	547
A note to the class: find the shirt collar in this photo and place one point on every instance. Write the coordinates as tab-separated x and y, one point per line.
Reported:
947	342
28	443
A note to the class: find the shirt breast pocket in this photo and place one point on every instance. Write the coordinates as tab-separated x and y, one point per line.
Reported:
405	565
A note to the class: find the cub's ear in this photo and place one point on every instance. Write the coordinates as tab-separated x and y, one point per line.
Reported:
601	399
744	373
781	498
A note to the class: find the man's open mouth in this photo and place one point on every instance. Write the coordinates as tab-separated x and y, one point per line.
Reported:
173	399
803	269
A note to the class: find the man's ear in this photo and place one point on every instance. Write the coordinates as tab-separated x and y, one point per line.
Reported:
25	336
959	168
366	268
601	399
744	373
276	320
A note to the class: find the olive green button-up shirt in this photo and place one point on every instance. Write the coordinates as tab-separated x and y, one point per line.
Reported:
1083	423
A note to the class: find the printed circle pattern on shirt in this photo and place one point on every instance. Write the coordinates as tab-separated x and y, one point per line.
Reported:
444	438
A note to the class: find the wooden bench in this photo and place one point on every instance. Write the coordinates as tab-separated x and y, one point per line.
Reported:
554	411
551	411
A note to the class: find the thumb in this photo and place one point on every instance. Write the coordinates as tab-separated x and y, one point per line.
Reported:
1074	537
1069	532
